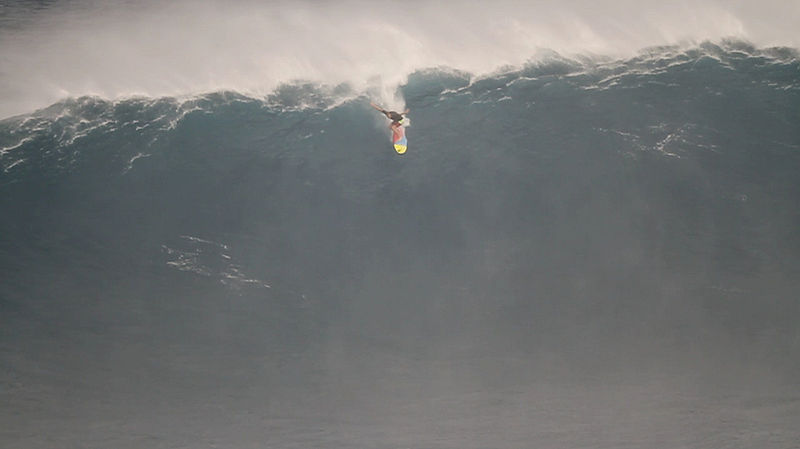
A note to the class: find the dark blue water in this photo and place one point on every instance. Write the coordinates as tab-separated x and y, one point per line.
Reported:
575	252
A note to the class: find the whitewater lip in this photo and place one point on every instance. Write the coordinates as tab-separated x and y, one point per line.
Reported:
304	93
72	49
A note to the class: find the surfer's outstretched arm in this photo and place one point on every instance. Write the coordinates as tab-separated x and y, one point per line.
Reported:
391	115
382	111
377	107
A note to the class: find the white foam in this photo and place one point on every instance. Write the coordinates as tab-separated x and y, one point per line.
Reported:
13	164
22	142
132	160
202	256
137	48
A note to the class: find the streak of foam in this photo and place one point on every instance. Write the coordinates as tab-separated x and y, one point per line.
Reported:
22	142
209	259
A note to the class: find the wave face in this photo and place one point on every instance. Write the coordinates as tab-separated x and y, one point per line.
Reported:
565	245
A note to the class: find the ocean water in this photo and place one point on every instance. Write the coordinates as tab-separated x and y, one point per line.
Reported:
576	251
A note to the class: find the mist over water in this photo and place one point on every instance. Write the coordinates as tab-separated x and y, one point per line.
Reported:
53	50
597	245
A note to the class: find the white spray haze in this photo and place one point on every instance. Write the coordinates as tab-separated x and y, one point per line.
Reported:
133	48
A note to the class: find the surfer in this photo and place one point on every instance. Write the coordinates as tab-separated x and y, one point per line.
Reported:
395	117
398	133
